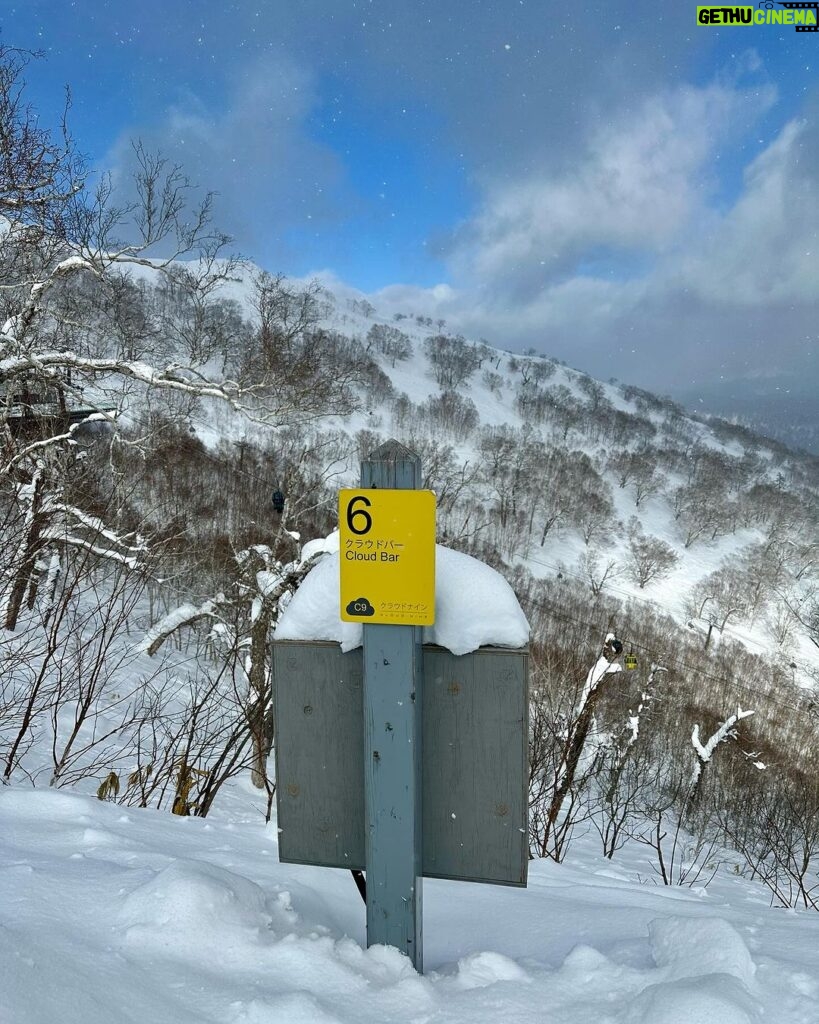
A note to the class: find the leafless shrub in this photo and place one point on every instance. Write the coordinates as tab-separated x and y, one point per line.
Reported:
650	559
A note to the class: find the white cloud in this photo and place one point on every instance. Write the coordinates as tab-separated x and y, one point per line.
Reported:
641	184
254	152
687	286
628	254
766	249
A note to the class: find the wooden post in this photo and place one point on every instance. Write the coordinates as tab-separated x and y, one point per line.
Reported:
393	679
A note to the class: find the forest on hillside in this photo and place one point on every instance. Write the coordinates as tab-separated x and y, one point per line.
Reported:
147	416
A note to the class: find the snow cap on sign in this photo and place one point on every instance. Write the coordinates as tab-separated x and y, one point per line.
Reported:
474	607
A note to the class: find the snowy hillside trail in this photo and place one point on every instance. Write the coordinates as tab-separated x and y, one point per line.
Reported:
111	915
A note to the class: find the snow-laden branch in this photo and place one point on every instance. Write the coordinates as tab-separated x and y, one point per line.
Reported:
24	193
16	324
35	446
601	668
172	377
184	615
633	722
262	584
98	526
61	535
705	751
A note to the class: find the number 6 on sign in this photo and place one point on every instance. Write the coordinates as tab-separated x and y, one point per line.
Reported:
353	512
387	553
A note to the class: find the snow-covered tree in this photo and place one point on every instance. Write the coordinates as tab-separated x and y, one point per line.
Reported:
649	557
705	750
452	359
560	761
66	252
240	621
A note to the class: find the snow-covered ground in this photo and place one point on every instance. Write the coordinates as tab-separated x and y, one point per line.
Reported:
124	916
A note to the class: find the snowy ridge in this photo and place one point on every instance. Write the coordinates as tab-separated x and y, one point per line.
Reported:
495	390
665	498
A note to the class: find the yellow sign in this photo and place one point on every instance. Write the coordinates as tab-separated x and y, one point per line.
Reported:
387	552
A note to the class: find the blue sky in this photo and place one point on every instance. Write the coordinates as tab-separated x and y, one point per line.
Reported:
608	183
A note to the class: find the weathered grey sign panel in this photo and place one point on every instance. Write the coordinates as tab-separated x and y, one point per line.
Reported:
475	774
319	744
475	766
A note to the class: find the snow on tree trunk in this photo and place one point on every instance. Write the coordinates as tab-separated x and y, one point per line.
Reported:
705	751
604	667
26	556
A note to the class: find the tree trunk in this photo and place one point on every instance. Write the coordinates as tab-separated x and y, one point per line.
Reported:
30	547
260	695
